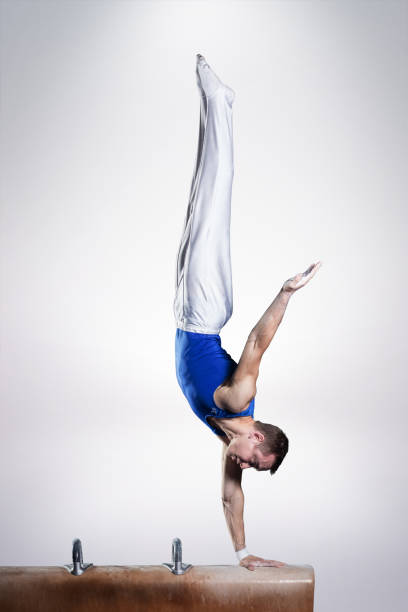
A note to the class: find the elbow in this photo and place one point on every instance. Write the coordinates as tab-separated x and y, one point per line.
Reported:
228	501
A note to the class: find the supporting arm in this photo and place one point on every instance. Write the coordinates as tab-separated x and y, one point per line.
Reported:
232	498
233	504
234	515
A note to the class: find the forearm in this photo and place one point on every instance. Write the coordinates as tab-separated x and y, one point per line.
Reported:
234	515
265	329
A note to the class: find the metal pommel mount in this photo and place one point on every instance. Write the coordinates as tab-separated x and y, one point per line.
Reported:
177	567
77	567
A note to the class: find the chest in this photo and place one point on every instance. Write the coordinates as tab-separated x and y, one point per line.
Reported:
214	422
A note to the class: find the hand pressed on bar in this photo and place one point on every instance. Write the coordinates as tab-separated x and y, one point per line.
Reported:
251	561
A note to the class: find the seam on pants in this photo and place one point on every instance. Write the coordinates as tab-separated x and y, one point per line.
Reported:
199	174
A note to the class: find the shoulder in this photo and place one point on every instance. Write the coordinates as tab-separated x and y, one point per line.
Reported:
235	397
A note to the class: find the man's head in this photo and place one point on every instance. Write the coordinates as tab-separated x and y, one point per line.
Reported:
263	448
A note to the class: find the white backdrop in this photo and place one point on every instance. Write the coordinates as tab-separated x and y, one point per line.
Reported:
99	128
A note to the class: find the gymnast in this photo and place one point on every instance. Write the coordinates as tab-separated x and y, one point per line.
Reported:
220	391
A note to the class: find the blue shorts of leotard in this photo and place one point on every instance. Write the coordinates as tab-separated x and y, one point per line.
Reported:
201	366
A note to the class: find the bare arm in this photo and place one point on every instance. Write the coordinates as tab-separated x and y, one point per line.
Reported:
236	394
233	499
266	328
233	505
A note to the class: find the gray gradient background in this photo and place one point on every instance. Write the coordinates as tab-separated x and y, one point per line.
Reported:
99	128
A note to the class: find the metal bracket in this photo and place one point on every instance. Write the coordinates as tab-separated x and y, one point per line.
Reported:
177	567
77	567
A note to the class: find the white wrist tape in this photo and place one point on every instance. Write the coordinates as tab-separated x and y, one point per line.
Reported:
242	553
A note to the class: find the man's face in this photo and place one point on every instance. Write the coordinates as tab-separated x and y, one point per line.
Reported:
245	452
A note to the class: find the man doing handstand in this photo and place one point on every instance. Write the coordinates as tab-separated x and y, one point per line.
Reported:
220	391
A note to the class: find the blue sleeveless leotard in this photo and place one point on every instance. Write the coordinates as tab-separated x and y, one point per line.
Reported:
201	365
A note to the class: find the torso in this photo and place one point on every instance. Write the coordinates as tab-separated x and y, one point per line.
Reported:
216	395
201	363
213	421
217	422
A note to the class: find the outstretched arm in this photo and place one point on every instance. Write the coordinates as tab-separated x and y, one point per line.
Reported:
265	329
236	394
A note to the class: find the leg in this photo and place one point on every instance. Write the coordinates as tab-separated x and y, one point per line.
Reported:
203	301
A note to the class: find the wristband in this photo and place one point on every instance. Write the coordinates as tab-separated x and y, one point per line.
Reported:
242	553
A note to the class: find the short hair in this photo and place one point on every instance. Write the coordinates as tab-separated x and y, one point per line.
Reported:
275	442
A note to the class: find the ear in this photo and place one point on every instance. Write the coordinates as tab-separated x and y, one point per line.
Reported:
257	436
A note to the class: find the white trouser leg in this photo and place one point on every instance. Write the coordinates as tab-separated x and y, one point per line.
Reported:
203	301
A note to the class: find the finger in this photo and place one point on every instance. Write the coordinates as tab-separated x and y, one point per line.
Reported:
309	274
311	270
306	272
273	563
315	268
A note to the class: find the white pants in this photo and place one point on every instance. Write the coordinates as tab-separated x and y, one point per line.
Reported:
203	301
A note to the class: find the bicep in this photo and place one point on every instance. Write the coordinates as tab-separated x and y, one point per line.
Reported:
231	477
241	388
249	362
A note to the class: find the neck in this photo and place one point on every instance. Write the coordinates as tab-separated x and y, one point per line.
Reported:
236	426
